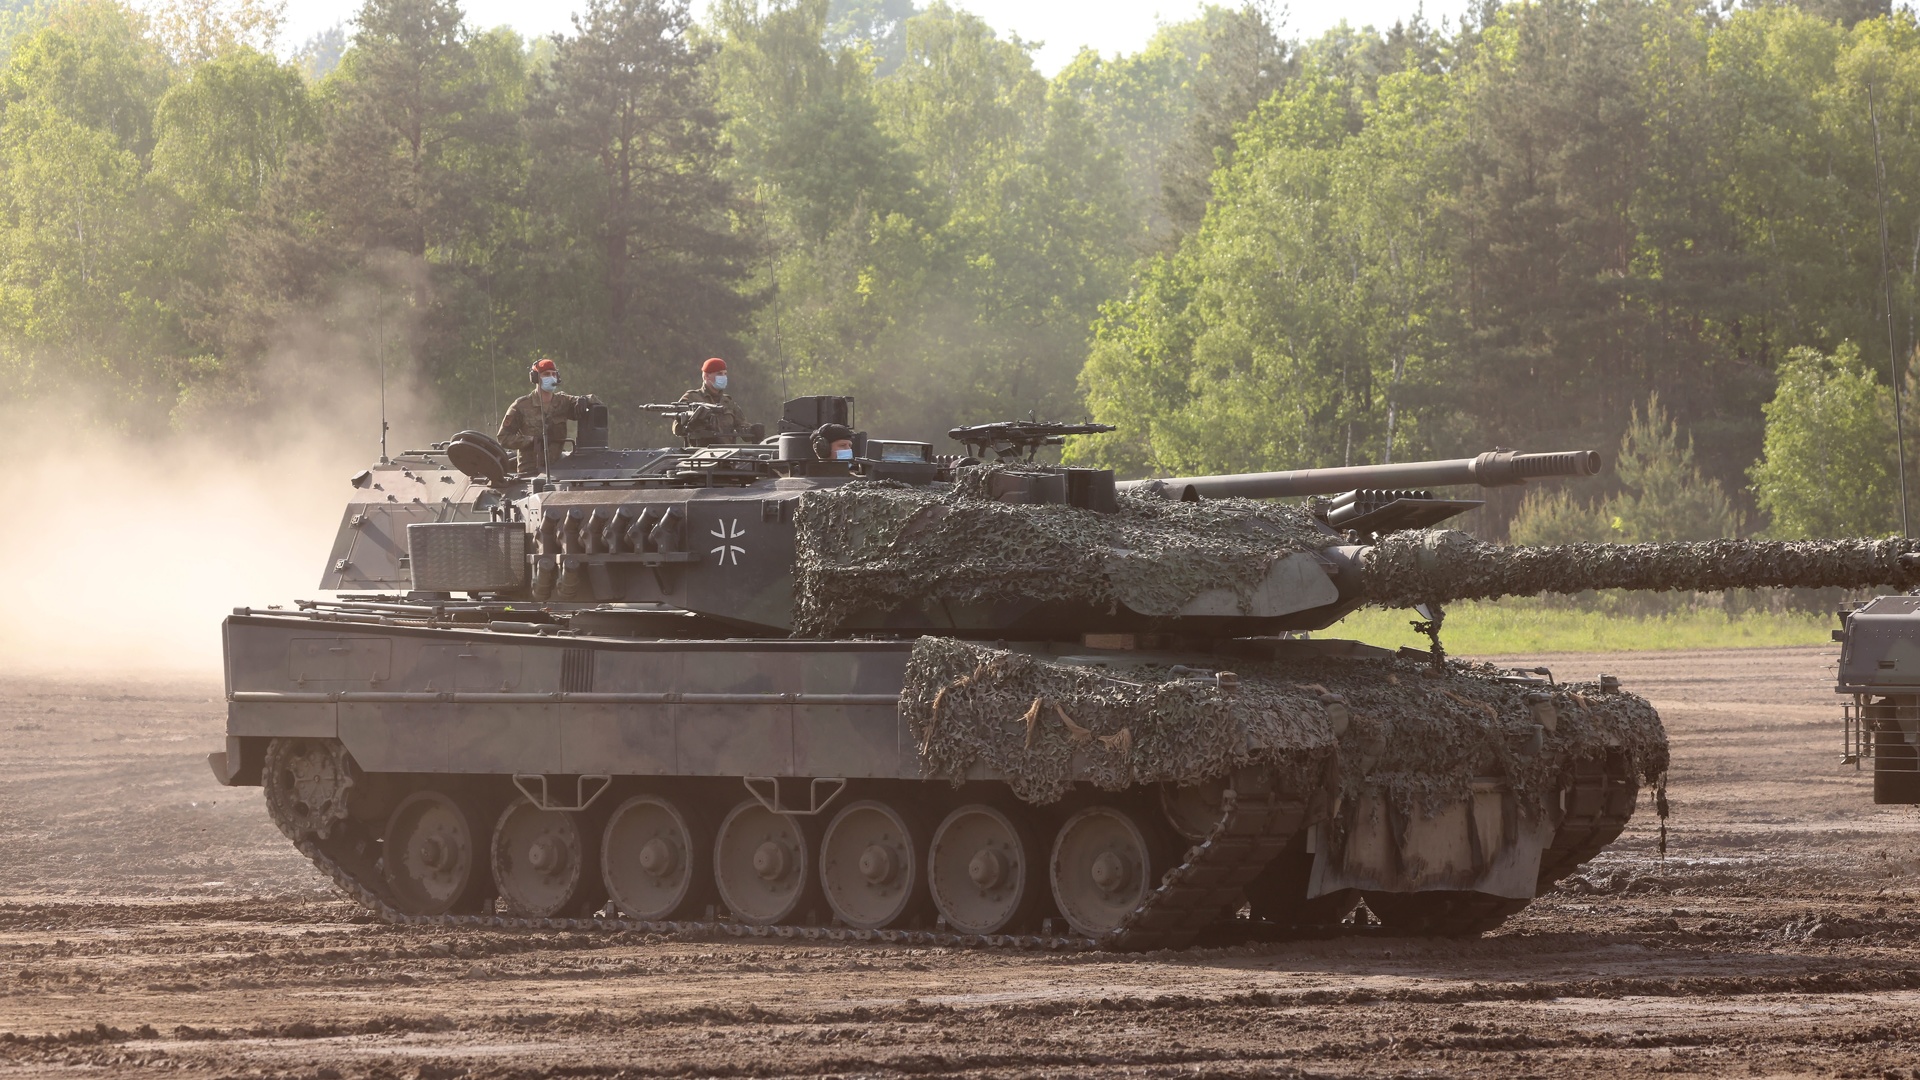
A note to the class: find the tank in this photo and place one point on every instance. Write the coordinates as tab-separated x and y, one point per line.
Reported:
933	698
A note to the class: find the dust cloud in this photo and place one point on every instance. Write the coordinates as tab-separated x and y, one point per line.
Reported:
131	550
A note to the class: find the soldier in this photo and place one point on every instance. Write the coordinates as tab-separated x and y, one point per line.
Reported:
833	442
724	424
536	424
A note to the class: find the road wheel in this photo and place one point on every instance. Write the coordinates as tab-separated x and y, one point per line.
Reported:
654	859
872	866
544	863
1194	809
762	864
982	871
1103	867
431	855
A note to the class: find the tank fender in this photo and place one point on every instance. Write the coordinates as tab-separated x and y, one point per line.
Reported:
239	764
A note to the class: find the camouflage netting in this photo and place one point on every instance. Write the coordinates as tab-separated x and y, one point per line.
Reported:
1423	739
1440	564
875	546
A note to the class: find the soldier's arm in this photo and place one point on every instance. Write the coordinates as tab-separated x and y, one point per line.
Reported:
513	434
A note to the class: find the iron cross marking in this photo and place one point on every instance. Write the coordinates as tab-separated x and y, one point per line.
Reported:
726	551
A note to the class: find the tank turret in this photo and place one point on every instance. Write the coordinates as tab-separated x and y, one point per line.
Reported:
764	538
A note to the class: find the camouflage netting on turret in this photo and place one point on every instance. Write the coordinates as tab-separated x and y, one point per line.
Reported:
875	546
1416	567
1045	723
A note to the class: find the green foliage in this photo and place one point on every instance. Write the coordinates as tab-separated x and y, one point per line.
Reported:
320	54
1663	497
1247	252
225	131
19	18
76	124
953	224
1550	516
880	26
1529	628
1285	331
1828	467
1428	245
628	142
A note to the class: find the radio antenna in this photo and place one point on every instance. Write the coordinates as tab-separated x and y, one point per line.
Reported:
380	352
1886	290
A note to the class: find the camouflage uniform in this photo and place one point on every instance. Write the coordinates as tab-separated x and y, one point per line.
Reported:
727	424
520	430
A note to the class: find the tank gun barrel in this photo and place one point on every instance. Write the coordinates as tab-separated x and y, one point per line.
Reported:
1411	568
1493	469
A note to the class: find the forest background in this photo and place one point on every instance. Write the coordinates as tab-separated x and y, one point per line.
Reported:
1687	234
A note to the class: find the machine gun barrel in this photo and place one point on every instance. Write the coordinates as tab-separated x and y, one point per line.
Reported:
1492	469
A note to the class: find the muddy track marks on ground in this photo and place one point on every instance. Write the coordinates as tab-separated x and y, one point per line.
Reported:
153	922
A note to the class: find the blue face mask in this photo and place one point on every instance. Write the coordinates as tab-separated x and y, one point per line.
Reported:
548	382
719	382
843	455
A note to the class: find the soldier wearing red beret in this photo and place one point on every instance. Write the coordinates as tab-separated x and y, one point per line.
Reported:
725	422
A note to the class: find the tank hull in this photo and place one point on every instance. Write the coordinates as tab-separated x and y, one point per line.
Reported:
801	788
418	700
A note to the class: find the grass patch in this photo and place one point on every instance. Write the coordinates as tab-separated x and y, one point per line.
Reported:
1487	628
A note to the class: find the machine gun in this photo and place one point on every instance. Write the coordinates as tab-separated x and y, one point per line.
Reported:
682	413
1009	438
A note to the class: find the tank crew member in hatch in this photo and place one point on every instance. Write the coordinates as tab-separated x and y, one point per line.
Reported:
724	424
833	442
536	424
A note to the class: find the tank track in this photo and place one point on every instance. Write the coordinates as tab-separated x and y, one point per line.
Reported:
1203	889
1208	885
1598	805
1195	896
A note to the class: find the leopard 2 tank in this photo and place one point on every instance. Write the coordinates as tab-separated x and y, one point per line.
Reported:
917	698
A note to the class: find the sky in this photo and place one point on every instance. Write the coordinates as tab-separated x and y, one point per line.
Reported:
1112	26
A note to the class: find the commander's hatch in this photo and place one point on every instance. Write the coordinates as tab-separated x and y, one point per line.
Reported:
1377	511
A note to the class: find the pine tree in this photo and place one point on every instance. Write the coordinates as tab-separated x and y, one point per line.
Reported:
629	146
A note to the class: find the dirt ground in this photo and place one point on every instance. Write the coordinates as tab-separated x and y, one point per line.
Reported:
150	919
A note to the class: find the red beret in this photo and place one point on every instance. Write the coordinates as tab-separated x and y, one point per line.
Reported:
712	365
543	364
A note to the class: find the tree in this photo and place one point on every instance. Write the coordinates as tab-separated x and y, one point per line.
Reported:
1662	497
629	150
320	54
225	132
1283	333
1827	468
1245	63
386	226
80	303
880	26
194	31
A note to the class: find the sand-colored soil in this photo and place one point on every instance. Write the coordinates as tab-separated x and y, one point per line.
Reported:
150	919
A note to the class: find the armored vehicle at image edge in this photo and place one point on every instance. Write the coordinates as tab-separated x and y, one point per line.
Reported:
917	697
1880	673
